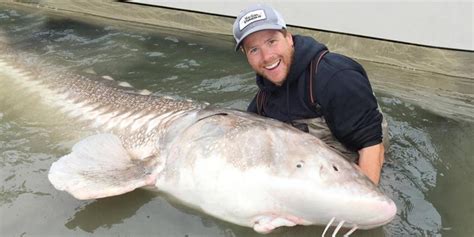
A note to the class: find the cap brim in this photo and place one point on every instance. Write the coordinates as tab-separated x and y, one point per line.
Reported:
255	29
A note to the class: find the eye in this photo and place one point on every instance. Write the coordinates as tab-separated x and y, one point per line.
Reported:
253	51
300	164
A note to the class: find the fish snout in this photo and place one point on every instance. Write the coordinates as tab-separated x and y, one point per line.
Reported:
390	210
383	213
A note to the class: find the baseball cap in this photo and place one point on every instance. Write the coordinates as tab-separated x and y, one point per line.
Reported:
255	18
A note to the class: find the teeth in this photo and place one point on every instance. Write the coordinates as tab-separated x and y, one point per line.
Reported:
269	67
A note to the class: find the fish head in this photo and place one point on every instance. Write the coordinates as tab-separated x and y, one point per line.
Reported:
314	183
300	177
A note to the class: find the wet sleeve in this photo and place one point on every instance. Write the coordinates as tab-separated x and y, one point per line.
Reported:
352	112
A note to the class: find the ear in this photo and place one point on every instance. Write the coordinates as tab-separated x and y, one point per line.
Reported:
289	38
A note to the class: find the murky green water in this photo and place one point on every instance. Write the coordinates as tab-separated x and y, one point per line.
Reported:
428	171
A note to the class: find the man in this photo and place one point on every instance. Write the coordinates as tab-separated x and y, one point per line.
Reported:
301	83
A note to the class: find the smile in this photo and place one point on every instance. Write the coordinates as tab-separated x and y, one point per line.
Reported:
273	66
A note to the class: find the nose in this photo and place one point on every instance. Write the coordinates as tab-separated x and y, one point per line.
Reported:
267	54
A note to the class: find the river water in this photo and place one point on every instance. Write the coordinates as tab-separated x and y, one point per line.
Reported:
428	170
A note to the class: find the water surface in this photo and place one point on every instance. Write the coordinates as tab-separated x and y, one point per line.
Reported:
428	170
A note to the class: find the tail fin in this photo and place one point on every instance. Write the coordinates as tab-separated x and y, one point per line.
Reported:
99	166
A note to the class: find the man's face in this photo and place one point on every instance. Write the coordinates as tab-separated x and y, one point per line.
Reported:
270	53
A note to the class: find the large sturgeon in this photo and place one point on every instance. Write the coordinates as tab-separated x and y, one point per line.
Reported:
233	165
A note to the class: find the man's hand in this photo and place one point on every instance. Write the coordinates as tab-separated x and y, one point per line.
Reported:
371	160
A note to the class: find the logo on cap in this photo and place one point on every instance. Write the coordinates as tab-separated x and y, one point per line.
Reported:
251	17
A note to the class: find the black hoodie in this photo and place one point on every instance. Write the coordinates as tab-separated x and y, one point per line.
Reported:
341	88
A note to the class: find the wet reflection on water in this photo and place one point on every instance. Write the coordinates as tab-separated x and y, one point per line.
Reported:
427	171
108	212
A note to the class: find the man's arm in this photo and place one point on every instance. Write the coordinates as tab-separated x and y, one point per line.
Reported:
371	160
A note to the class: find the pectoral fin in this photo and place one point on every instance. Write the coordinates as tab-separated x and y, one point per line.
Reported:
99	166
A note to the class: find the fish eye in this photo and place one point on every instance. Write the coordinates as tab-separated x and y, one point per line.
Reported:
300	164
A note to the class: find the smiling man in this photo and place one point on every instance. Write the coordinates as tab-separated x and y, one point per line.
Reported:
302	83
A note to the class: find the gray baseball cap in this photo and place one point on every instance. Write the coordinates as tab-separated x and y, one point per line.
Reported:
255	18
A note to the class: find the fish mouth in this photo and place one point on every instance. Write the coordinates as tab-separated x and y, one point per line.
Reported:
266	223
